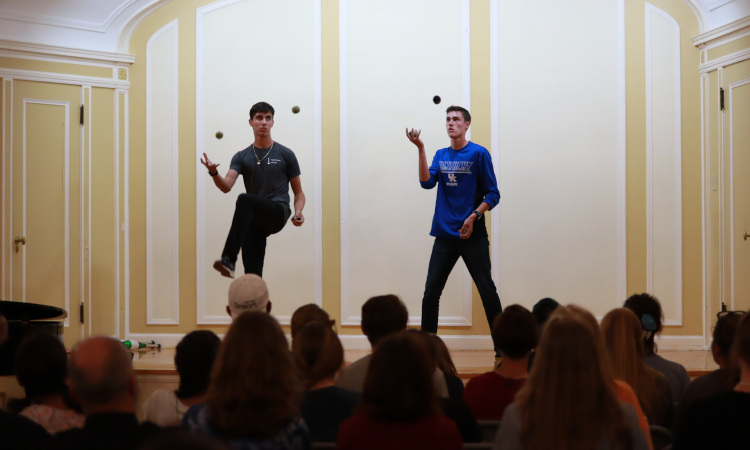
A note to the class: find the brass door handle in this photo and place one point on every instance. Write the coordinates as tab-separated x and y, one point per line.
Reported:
745	235
19	240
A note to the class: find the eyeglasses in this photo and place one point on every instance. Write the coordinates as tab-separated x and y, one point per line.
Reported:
721	314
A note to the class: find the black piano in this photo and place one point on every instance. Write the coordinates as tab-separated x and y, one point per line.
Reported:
23	320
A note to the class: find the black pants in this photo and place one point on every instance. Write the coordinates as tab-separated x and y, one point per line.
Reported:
445	252
255	218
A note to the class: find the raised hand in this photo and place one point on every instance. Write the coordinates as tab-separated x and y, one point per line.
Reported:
209	165
413	136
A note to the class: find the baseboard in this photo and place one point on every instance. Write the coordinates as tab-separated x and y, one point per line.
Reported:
454	342
680	343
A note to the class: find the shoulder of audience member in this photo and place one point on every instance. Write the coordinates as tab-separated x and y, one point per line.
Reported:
196	416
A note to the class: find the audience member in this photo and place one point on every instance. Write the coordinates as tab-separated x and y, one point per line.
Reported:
248	293
253	398
721	379
456	410
624	343
542	311
721	421
381	316
400	409
194	359
320	356
569	402
101	377
515	334
648	310
181	439
309	313
622	389
41	367
17	432
445	364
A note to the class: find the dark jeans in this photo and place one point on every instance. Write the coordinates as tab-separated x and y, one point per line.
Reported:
445	252
255	218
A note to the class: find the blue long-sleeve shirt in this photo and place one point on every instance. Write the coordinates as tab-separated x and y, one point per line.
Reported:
465	179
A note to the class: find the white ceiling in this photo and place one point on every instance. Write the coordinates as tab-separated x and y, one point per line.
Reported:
96	24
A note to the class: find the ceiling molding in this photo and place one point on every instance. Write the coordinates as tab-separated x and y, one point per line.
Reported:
11	48
716	4
723	32
126	32
724	61
699	14
66	22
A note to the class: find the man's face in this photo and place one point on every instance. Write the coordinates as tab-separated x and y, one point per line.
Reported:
262	123
456	125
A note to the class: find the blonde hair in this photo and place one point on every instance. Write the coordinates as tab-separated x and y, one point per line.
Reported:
624	343
569	375
255	389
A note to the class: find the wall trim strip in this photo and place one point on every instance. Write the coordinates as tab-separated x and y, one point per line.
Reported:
677	233
732	87
724	61
716	36
150	246
65	54
61	78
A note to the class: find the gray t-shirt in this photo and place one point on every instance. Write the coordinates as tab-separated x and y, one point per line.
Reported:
270	178
676	374
353	377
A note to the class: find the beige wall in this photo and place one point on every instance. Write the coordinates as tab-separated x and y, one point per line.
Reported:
118	170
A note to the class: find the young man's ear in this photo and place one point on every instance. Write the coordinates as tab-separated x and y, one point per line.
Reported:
229	311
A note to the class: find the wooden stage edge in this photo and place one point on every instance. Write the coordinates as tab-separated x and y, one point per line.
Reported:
468	363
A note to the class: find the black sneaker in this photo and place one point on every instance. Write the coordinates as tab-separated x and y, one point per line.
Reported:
225	267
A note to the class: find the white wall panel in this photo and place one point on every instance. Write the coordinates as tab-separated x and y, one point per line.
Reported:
559	149
664	162
251	51
162	187
395	56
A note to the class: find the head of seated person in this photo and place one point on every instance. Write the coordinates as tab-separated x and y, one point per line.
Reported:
542	311
515	334
444	360
382	316
309	313
399	383
569	376
723	339
101	376
648	311
41	367
318	354
248	293
623	338
194	359
254	391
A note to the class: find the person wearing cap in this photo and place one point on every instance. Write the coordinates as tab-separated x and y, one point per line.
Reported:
248	293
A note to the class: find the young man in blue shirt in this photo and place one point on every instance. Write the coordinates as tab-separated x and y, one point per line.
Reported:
467	189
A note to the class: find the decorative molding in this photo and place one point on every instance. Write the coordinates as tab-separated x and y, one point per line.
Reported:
62	78
16	49
348	317
65	22
705	204
66	184
126	32
88	252
722	34
150	191
732	276
716	4
126	204
698	11
495	134
202	318
724	61
4	258
678	162
117	213
622	248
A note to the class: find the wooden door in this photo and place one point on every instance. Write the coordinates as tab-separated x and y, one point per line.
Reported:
45	210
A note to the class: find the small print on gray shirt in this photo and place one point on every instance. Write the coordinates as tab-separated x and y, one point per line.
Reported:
270	178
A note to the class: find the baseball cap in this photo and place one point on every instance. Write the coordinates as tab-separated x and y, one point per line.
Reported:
247	293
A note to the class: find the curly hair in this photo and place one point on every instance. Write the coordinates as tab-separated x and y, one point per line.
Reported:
255	389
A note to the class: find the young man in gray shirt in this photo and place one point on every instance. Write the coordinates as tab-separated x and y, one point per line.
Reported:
267	168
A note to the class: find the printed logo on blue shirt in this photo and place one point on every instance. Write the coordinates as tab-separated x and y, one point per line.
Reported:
456	166
452	180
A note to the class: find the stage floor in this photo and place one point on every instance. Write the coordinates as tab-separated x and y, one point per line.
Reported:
468	363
